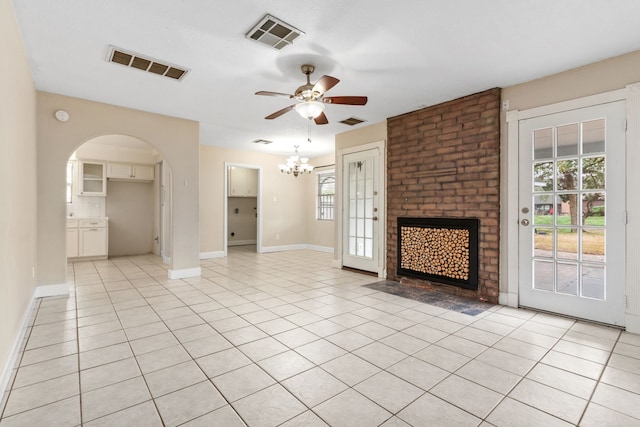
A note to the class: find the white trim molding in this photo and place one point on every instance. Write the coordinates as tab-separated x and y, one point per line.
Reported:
185	273
632	262
211	255
43	291
7	369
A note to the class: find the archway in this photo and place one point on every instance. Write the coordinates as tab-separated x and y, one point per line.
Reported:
118	199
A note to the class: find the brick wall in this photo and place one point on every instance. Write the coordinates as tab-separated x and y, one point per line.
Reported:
444	161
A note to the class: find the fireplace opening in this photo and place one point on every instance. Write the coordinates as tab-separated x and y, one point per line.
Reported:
440	250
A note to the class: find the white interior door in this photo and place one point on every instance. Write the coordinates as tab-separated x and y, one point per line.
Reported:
361	214
572	213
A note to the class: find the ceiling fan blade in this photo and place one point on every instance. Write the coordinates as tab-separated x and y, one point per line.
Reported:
267	93
280	112
345	100
325	83
321	119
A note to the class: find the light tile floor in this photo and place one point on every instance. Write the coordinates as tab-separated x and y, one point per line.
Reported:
285	339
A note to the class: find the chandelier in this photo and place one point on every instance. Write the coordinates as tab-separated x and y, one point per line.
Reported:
296	165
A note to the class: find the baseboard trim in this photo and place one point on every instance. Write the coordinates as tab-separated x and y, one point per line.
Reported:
7	369
268	249
326	249
185	273
211	255
166	260
301	246
51	290
241	242
632	323
508	299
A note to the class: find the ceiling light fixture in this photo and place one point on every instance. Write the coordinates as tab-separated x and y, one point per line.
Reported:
310	109
296	165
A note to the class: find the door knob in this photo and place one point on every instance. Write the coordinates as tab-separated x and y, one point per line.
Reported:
524	222
375	218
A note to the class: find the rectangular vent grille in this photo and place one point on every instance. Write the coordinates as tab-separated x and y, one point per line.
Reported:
262	141
134	60
273	32
352	121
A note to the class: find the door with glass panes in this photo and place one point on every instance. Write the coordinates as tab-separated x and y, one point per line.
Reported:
572	213
360	212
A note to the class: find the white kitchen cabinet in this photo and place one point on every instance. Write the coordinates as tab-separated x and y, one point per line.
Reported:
87	238
128	171
243	182
92	178
92	242
72	238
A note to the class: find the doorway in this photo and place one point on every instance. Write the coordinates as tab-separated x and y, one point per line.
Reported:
572	213
363	210
242	206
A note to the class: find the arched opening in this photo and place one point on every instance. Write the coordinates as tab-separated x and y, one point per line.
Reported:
118	199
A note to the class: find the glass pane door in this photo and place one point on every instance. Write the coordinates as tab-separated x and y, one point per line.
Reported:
572	213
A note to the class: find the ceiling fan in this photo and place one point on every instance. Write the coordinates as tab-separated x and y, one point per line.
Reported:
311	98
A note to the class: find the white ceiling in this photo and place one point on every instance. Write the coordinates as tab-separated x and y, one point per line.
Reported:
402	54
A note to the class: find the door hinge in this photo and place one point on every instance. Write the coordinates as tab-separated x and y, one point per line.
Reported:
626	217
626	302
626	122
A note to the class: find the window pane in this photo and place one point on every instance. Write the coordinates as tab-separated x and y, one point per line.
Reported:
567	175
593	136
543	143
593	173
543	275
593	283
568	139
543	176
567	279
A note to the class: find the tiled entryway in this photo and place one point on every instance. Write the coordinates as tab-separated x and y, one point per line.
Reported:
285	339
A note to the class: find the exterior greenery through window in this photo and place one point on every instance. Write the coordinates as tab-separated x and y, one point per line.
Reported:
326	195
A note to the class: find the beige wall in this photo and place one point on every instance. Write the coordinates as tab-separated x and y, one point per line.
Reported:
130	210
176	139
603	76
283	222
18	171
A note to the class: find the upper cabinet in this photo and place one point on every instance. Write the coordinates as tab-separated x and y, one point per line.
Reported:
130	171
92	178
243	182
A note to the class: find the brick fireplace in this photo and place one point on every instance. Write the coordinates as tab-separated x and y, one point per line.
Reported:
444	162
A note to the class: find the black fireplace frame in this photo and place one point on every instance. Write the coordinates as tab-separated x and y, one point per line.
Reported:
471	224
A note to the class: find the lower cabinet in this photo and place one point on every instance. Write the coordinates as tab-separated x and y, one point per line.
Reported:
72	242
92	242
87	238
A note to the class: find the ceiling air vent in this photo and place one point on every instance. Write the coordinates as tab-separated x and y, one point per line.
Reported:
262	141
352	121
273	32
144	63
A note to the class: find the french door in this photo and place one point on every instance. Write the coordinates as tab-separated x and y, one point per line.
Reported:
572	213
361	214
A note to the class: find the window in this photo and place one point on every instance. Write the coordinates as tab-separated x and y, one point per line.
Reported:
69	181
326	195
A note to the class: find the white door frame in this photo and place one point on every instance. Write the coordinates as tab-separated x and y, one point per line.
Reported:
259	203
509	242
381	146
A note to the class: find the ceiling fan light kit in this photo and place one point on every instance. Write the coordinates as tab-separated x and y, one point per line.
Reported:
311	99
310	109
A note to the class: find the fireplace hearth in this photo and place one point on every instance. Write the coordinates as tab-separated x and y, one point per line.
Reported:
440	250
